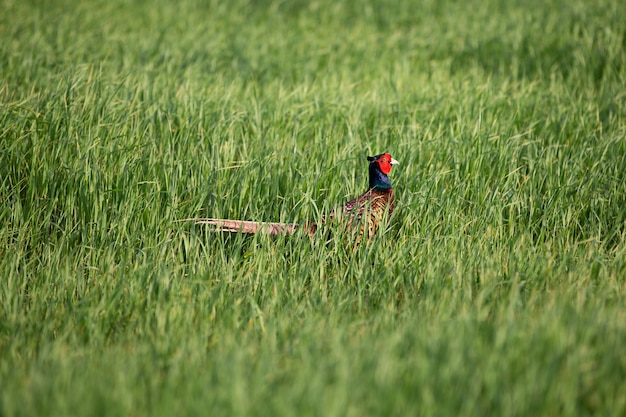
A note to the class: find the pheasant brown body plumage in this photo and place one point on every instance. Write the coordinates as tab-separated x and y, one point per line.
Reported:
363	214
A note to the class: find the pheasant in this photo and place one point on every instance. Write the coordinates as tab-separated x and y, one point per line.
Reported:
365	212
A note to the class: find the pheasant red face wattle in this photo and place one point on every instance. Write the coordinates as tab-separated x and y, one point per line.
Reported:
385	162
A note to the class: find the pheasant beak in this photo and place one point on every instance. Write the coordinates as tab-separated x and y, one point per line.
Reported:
394	162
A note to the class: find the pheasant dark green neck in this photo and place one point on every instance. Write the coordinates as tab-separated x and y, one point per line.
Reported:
378	180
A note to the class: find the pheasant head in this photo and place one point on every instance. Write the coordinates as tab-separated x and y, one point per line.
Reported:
380	167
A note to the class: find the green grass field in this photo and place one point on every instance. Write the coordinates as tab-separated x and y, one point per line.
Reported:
497	290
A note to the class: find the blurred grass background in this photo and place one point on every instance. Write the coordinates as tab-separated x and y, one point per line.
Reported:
497	290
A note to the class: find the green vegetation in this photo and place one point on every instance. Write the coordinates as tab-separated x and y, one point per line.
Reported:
498	289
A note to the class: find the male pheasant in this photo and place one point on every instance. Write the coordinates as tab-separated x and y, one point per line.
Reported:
365	212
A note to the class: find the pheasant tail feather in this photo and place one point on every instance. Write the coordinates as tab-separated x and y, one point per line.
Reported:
243	226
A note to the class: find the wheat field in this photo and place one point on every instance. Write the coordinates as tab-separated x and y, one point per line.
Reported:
498	288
